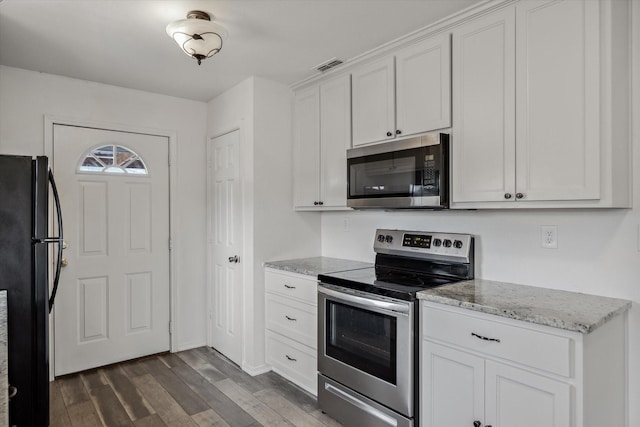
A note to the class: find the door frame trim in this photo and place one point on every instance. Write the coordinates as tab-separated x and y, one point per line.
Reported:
171	135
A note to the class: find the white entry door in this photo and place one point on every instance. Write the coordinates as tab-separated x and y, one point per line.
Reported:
225	246
113	298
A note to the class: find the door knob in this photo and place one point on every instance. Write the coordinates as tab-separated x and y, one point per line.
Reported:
65	245
64	262
234	259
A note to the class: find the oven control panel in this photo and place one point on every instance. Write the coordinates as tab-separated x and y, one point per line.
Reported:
421	244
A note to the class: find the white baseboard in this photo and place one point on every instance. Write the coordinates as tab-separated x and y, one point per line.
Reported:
189	346
256	370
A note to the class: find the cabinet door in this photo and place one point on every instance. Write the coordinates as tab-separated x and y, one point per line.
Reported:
423	86
451	387
335	139
306	153
374	102
557	100
515	397
483	144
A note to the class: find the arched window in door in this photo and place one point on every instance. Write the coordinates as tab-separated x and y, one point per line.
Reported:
113	159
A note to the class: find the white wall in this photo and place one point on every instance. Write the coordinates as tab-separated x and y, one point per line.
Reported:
598	251
26	97
271	229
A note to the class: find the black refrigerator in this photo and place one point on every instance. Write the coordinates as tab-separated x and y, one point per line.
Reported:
25	183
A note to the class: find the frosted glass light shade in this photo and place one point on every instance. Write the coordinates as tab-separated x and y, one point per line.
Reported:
197	36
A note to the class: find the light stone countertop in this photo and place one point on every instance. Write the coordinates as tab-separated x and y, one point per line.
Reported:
316	265
572	311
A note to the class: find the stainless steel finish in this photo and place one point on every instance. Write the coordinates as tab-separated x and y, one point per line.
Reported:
403	144
354	409
395	202
364	300
455	254
398	397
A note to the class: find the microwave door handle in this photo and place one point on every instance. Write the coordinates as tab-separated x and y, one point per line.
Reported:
366	302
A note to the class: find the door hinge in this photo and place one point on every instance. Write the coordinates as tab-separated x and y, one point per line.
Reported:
170	244
170	327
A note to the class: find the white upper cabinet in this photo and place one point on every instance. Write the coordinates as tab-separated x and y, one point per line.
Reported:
405	94
535	122
322	135
306	152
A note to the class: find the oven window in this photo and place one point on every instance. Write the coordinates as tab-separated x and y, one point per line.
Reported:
386	175
363	339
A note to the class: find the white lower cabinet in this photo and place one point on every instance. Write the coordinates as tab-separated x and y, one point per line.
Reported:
291	328
479	370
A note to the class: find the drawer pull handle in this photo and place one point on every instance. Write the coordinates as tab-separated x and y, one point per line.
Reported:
484	338
293	319
290	358
289	287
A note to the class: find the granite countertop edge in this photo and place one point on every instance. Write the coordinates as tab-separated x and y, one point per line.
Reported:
556	321
313	266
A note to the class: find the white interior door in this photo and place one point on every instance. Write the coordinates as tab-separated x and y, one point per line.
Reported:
225	246
113	299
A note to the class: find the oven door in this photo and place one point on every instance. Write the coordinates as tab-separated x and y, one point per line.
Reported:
365	342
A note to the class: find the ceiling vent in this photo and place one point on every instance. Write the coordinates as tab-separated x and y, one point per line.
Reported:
333	62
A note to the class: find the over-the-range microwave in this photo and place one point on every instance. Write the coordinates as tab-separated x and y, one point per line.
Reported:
407	174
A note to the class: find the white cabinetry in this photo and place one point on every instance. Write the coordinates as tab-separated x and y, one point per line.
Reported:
322	135
404	94
291	329
536	122
501	372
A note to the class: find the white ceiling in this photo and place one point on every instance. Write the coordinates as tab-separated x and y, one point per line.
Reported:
124	43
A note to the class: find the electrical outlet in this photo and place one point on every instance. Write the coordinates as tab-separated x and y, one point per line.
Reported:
549	236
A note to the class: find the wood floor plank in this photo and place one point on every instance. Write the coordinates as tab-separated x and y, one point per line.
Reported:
325	419
92	379
218	401
58	416
135	368
109	408
181	392
209	418
204	368
132	401
253	406
73	390
170	411
150	421
291	412
84	414
289	390
229	369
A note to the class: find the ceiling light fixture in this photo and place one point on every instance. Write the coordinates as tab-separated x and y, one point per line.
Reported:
197	35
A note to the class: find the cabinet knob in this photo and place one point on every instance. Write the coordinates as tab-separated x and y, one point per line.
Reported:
389	134
477	423
519	196
315	203
398	131
320	203
507	196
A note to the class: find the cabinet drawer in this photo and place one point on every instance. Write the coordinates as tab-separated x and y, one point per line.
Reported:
292	319
520	344
303	288
294	361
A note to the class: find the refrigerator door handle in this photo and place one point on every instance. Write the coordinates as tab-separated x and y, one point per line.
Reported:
59	240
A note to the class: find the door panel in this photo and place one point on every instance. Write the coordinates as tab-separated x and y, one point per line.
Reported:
225	243
113	300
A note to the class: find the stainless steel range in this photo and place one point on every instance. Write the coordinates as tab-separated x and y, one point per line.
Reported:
367	326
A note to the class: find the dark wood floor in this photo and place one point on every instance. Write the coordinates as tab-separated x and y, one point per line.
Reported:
193	388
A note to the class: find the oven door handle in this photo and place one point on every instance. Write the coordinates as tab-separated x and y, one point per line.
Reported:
366	302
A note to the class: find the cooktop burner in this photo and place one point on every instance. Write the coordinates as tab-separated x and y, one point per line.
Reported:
408	262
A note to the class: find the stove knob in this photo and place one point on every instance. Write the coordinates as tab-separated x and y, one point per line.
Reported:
457	244
437	242
389	238
447	243
380	238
